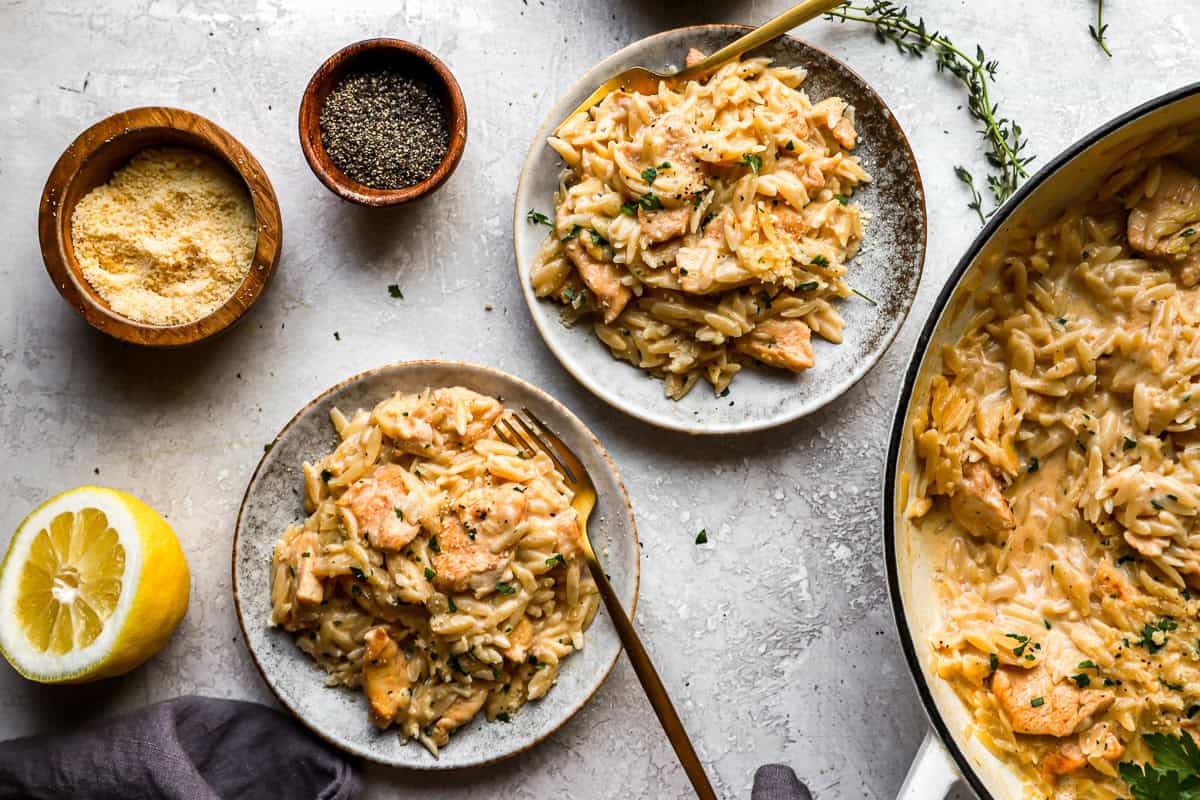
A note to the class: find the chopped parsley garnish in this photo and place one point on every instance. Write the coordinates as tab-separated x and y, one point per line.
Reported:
394	291
1081	680
433	544
556	560
820	261
504	717
993	661
753	161
1150	629
650	201
453	606
1037	702
1022	643
1157	506
1034	465
597	239
807	286
842	199
1089	664
337	336
790	145
649	174
504	588
1125	559
429	574
537	218
702	536
1188	232
326	475
575	229
358	573
1046	622
629	208
1128	444
399	513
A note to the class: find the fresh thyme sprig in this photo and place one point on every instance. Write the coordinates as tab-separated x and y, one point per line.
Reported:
1006	144
1099	29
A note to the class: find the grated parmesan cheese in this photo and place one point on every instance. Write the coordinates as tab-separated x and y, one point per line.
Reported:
168	239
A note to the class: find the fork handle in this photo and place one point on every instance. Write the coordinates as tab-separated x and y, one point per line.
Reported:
653	685
803	12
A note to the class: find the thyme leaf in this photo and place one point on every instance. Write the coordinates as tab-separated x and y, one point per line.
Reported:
976	72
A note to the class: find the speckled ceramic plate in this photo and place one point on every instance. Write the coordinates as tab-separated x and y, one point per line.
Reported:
274	500
887	269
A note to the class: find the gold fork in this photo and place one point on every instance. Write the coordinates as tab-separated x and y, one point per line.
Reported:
529	435
645	81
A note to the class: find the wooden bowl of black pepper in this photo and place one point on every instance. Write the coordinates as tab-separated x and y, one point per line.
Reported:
383	122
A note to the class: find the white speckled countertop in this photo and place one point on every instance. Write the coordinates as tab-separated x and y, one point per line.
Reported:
776	636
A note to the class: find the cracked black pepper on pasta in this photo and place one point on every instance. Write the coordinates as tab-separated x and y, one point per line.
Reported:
385	129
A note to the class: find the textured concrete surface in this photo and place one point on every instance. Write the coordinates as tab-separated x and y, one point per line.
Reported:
776	636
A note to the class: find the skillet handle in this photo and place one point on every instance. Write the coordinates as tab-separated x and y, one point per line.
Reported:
932	773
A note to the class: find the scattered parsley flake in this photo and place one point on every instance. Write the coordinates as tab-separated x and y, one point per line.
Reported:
537	218
394	291
702	536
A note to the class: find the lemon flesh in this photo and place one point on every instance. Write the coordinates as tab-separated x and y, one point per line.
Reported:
93	583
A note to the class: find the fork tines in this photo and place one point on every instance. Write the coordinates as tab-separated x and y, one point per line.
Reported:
532	435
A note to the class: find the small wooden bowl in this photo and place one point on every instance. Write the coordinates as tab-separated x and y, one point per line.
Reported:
93	158
409	59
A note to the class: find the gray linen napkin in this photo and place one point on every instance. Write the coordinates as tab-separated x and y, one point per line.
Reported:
777	782
190	748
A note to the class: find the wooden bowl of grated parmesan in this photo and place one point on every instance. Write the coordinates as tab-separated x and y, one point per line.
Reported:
158	227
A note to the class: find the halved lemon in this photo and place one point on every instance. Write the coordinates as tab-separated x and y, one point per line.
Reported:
92	585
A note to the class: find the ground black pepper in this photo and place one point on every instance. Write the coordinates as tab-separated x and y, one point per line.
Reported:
384	129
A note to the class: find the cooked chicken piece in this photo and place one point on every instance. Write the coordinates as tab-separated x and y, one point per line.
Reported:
1159	225
1036	705
383	508
1099	741
978	504
664	224
1065	759
458	715
385	677
570	540
844	133
783	343
810	175
465	562
671	138
403	421
302	553
602	278
491	512
520	639
482	412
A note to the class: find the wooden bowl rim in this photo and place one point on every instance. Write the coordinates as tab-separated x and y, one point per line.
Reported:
54	222
310	124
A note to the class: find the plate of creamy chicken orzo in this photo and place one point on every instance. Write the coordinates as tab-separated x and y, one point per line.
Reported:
723	254
1057	482
411	586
